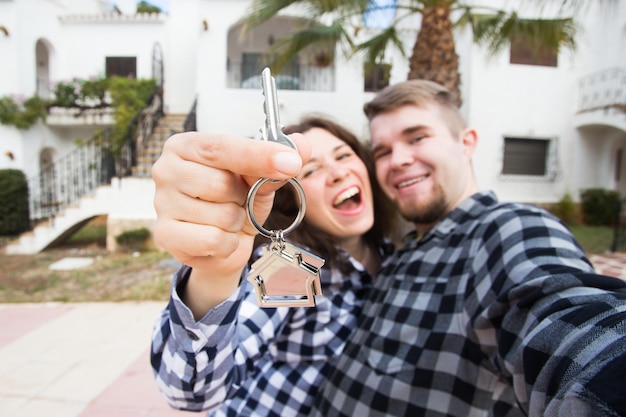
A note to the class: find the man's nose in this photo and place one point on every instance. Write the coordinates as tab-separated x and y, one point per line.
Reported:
401	155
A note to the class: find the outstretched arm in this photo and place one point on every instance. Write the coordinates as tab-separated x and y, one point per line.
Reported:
202	181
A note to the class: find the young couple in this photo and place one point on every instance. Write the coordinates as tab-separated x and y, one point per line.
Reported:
485	309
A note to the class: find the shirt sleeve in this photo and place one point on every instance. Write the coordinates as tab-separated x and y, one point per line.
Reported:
199	364
553	327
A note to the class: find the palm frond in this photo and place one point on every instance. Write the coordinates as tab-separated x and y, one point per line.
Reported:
496	31
319	38
261	11
373	50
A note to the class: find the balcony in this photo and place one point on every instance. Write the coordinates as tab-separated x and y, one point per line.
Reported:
66	117
294	77
602	99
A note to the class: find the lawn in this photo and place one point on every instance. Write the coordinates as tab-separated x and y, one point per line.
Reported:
597	239
137	276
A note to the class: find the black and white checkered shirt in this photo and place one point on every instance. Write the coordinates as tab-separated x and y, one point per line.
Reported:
243	360
494	312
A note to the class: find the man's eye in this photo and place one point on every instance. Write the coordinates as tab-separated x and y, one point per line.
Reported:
380	154
416	139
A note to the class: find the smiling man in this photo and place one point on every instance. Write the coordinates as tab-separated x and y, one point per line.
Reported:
489	308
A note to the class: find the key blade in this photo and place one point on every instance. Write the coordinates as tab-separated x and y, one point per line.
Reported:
272	130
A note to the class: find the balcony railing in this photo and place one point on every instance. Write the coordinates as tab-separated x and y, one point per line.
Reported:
299	77
67	179
603	89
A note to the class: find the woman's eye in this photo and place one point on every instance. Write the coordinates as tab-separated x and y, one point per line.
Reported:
307	172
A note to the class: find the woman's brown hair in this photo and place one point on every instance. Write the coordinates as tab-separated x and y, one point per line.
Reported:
308	236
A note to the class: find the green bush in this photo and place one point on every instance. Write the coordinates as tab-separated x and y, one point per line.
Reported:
14	212
134	238
599	206
565	209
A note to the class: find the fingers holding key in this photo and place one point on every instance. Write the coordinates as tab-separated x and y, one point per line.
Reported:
202	182
246	157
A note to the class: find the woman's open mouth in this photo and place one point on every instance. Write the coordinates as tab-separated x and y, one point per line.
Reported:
348	199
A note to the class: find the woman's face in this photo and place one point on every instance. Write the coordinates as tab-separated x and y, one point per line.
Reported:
336	183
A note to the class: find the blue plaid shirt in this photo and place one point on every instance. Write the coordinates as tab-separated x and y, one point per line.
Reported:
494	312
242	360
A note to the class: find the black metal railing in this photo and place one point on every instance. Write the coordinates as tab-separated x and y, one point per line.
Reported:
296	77
92	164
142	126
618	244
66	180
189	125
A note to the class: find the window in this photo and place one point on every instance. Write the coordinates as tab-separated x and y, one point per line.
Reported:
523	53
252	64
122	66
376	77
529	157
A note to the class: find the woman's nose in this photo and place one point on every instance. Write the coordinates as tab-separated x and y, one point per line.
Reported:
337	173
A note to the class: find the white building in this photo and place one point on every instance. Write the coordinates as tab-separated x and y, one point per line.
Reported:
545	130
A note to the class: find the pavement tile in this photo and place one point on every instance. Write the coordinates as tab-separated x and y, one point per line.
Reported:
92	359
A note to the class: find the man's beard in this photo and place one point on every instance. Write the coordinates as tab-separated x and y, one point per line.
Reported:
428	213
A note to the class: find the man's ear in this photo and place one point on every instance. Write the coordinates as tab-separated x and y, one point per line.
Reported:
469	139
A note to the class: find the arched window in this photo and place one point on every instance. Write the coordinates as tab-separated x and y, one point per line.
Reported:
42	60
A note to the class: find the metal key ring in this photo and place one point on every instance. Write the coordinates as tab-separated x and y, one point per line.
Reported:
269	233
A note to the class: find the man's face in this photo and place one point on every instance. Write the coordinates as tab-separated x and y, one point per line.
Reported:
420	164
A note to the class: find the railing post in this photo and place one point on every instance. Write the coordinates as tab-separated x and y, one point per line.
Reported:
616	225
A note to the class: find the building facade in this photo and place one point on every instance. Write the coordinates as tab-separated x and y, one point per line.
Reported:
546	128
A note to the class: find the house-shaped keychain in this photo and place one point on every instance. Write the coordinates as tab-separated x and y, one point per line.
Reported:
286	277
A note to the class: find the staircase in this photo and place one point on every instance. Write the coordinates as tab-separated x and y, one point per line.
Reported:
151	150
125	200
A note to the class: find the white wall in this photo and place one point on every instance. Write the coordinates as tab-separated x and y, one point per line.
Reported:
499	99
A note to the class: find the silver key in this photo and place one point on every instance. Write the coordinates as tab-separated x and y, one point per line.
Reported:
285	275
272	130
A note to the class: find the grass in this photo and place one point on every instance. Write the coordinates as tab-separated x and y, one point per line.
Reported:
139	276
595	239
93	233
124	276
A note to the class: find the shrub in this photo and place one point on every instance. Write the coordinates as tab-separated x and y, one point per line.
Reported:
565	209
14	212
133	239
599	206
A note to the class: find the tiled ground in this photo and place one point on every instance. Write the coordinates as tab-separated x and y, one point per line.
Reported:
92	359
79	360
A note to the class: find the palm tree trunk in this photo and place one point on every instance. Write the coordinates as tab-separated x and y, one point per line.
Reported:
434	56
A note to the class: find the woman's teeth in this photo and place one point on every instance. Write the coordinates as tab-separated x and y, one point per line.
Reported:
347	194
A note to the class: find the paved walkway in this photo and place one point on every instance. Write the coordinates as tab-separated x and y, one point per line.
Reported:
92	359
612	264
79	360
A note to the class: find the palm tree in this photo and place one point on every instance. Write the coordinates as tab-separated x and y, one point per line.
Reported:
433	56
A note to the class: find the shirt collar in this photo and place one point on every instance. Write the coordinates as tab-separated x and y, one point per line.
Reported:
471	207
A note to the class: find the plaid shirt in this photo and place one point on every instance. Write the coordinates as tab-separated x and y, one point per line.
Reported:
494	312
240	359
